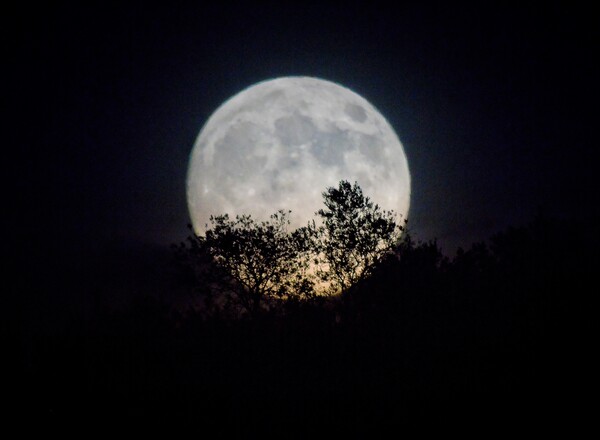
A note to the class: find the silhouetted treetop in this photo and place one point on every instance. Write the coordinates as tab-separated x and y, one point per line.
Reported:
259	261
356	235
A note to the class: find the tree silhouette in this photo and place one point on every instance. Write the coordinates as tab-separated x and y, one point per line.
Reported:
255	266
259	262
356	235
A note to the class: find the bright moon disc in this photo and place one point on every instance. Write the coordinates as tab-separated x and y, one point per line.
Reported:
280	143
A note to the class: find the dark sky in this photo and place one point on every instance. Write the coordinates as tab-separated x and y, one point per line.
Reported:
495	104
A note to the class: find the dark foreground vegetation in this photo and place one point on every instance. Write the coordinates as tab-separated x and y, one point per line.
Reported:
496	334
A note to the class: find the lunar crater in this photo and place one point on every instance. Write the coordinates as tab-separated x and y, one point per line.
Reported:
356	112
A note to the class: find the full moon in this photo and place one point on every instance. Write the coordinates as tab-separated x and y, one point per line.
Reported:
280	143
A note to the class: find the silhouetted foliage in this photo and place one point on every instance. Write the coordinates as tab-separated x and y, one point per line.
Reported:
247	266
356	235
258	263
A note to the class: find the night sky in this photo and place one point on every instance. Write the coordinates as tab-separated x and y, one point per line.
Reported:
494	104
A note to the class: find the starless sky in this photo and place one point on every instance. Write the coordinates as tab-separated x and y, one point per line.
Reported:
493	102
